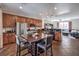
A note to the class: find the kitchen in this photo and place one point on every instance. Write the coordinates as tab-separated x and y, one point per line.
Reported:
10	27
32	23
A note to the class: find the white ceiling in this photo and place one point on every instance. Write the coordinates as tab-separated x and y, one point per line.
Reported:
41	10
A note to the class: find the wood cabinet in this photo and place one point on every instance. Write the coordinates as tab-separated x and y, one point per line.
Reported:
9	38
5	39
36	22
8	20
12	38
58	36
20	19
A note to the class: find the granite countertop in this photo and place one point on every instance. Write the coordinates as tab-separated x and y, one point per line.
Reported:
8	32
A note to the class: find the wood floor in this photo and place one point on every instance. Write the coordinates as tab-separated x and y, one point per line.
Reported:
66	47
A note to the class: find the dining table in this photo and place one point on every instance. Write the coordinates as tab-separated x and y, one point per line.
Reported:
34	39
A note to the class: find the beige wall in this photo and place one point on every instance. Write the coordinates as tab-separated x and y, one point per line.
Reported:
75	24
55	24
1	35
51	22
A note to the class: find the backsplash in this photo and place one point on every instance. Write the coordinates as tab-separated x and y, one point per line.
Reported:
8	30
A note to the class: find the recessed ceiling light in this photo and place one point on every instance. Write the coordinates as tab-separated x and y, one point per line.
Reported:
55	8
21	7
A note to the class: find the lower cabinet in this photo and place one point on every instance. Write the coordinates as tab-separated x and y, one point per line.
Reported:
8	38
5	38
58	36
12	38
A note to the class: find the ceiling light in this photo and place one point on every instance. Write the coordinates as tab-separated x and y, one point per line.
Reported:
55	8
21	7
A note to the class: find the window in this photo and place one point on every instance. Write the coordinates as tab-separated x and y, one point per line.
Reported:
64	25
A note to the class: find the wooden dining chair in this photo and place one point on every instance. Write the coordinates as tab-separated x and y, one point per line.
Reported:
45	45
22	44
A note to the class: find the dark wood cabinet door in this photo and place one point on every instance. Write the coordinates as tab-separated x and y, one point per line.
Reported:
58	36
5	39
20	19
8	20
11	38
5	17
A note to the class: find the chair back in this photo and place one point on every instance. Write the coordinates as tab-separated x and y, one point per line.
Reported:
49	41
17	40
20	41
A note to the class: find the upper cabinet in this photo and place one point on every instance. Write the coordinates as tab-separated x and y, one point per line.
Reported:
20	19
27	20
8	20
